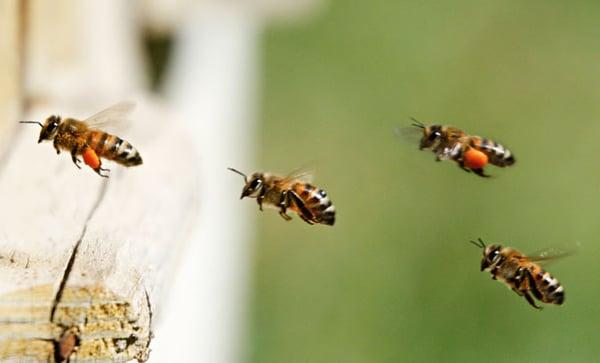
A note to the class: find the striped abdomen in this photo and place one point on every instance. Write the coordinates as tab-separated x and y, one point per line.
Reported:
498	155
317	202
547	288
113	148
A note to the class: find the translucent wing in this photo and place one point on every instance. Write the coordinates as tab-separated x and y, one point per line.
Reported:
410	133
552	253
111	116
302	174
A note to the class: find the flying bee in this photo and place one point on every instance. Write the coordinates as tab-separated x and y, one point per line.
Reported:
471	153
84	137
311	203
521	273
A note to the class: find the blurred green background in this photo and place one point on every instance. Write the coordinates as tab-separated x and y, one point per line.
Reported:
396	279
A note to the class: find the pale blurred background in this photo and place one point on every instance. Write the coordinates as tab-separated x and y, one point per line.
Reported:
273	85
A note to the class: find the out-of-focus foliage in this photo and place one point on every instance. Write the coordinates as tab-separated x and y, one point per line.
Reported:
395	279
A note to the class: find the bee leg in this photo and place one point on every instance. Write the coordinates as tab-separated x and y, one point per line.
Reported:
285	216
74	158
99	172
520	279
522	290
531	301
285	202
55	144
260	199
442	154
481	173
100	169
463	167
533	286
306	220
304	212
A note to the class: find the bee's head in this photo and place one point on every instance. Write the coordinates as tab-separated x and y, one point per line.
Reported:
254	184
491	254
431	134
49	129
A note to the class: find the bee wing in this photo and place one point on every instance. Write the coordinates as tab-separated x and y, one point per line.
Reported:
303	174
114	115
552	254
410	132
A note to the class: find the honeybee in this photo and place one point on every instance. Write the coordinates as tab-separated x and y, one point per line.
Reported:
521	273
86	139
471	153
311	203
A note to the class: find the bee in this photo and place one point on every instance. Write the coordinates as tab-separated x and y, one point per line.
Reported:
521	273
471	153
311	203
84	137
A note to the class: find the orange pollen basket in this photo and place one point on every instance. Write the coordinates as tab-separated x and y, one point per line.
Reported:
91	158
475	159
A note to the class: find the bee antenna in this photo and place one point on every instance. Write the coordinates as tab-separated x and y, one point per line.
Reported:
479	243
239	172
31	122
417	123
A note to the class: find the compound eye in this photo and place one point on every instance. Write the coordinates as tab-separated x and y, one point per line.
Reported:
434	135
494	255
255	184
53	125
